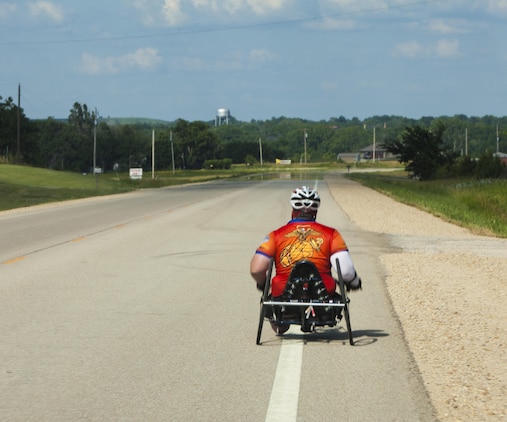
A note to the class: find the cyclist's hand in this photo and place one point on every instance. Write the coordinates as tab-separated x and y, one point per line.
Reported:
355	284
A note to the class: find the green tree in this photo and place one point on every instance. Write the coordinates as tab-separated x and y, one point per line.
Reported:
78	144
9	133
51	142
422	150
133	147
196	142
82	118
237	151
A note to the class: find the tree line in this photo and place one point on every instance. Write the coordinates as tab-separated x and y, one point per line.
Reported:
67	144
427	156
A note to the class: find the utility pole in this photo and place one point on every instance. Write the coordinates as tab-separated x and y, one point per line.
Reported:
497	141
374	141
153	153
466	142
306	136
172	147
18	150
95	148
260	150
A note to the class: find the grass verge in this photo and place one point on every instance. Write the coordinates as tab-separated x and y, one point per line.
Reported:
479	205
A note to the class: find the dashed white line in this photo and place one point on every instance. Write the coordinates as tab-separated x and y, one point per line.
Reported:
283	404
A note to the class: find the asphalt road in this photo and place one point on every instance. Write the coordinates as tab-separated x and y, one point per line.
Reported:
139	307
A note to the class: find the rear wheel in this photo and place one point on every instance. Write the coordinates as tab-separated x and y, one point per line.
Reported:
346	311
264	298
345	299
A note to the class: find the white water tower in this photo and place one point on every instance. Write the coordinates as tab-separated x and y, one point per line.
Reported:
222	116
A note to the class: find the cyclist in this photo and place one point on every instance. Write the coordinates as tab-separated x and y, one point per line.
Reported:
302	238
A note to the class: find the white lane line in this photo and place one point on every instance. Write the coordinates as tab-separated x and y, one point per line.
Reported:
283	404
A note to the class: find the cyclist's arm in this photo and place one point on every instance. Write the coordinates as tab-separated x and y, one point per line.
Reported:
259	265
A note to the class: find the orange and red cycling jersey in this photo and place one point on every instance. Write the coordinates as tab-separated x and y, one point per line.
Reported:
298	240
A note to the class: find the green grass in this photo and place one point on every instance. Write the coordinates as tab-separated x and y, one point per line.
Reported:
22	186
478	205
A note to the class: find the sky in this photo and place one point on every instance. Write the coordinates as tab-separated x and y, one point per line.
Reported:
260	59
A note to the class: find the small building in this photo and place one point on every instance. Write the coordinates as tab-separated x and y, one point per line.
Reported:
283	162
380	153
348	157
502	156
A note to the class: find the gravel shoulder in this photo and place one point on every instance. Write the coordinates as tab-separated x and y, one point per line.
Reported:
448	288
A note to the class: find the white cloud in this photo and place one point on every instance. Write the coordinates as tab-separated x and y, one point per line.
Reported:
205	4
46	8
154	12
443	48
178	12
261	7
6	9
496	6
143	58
358	5
447	26
414	8
175	13
260	55
171	10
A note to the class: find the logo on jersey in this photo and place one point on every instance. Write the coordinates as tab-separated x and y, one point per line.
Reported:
302	243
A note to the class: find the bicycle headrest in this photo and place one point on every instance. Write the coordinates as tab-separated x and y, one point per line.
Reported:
305	270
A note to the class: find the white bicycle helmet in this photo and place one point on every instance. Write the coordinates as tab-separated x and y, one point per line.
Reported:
304	198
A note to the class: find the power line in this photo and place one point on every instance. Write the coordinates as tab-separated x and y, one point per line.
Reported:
213	30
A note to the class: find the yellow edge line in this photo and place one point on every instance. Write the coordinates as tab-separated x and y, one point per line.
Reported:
14	260
77	239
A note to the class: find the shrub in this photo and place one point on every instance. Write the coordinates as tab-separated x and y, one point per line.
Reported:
465	166
250	160
489	167
224	163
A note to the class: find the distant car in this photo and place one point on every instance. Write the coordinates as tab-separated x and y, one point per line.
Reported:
367	155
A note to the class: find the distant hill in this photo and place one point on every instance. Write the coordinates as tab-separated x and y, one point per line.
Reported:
125	121
134	121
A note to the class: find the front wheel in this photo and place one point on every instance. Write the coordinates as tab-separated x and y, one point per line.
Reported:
261	322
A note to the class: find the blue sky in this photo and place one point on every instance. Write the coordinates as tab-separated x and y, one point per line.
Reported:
310	59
